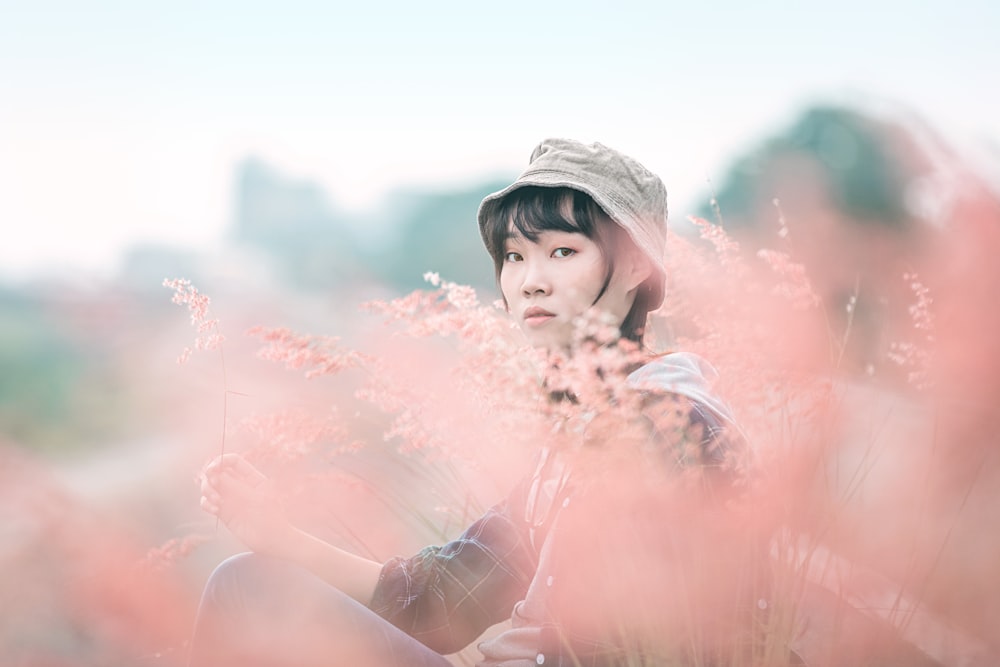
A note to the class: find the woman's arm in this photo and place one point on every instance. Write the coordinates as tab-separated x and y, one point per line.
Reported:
245	500
445	596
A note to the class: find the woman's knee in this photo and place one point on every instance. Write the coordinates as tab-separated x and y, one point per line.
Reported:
245	576
279	613
254	583
227	575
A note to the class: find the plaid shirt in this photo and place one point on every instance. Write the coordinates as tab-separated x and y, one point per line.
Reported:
506	565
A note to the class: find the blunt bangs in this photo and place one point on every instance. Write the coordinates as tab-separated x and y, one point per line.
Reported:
531	210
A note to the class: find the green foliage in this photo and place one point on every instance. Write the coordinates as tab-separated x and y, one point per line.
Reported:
55	392
438	232
316	246
855	155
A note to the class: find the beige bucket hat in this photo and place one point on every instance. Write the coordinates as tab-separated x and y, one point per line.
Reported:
630	194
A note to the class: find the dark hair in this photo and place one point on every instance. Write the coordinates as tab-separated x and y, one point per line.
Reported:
531	210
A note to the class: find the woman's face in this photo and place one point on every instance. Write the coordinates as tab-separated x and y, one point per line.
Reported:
550	282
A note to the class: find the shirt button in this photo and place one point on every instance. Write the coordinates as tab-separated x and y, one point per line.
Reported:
565	502
540	659
549	580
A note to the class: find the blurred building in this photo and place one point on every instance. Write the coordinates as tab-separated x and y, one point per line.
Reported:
310	242
316	245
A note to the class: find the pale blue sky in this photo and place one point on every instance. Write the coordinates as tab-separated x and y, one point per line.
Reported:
121	121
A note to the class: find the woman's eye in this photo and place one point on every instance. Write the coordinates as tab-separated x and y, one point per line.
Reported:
563	252
512	257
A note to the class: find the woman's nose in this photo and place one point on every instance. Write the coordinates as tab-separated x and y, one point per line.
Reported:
535	280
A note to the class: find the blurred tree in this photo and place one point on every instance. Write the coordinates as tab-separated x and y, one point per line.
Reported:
841	191
56	391
438	232
864	164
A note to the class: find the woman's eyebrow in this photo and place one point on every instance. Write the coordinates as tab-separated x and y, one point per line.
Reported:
512	242
514	235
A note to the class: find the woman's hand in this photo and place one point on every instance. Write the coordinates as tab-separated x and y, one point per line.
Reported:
245	500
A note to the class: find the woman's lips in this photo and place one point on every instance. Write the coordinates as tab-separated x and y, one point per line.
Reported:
536	317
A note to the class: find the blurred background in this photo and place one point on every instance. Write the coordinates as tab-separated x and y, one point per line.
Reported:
295	159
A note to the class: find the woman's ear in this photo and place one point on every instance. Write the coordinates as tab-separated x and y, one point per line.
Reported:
635	268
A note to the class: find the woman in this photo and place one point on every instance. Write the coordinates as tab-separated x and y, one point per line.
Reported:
581	566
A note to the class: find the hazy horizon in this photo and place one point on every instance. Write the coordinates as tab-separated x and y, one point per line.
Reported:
123	124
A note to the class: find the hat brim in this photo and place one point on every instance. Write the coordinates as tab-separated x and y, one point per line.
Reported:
615	210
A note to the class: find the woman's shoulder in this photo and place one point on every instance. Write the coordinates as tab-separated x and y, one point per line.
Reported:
675	366
684	374
691	377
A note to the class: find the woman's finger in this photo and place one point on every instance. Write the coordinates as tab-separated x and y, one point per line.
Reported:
231	485
212	496
207	480
213	466
221	463
233	466
216	487
209	506
241	468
